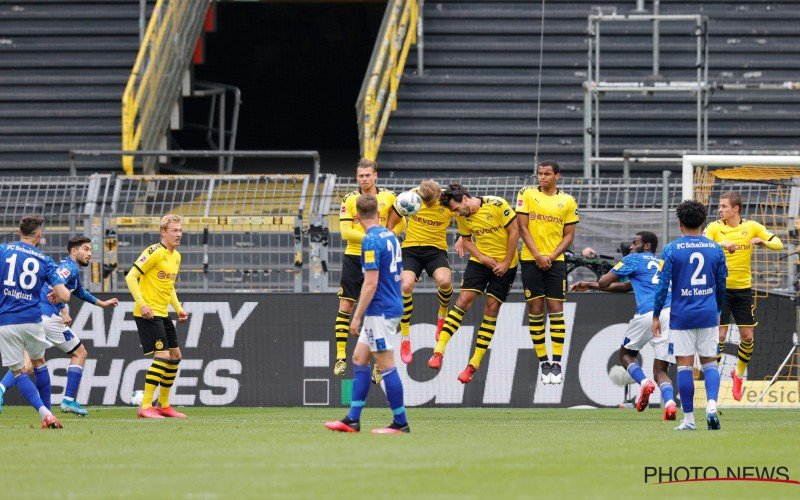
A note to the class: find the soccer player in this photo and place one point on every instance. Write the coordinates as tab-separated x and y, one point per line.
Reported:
25	270
695	266
151	282
424	248
353	233
56	321
640	267
380	304
491	269
739	237
547	222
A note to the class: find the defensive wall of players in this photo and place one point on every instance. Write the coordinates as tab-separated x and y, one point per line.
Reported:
279	233
256	349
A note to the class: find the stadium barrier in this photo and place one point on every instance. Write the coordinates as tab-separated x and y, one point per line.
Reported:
278	350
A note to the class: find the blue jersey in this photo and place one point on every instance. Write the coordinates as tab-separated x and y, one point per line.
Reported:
696	266
70	272
380	251
24	270
641	269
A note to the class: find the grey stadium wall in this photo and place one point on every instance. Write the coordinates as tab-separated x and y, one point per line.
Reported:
278	350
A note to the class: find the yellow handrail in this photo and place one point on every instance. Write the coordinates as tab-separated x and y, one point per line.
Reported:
131	97
386	69
164	52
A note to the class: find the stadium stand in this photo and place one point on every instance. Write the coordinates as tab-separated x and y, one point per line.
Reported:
474	108
63	66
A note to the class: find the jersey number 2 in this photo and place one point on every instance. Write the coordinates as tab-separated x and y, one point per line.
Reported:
696	278
27	278
654	264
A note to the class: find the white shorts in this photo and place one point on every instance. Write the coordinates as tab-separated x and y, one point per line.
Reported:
376	332
16	339
59	334
701	341
640	333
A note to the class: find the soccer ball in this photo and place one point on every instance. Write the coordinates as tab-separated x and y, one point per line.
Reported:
620	376
408	203
136	398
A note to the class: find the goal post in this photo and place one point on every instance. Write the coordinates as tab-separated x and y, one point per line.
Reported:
770	186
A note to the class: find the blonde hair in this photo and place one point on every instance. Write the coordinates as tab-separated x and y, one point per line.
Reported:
430	191
364	163
170	218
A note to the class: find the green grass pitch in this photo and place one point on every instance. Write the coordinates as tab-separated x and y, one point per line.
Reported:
450	453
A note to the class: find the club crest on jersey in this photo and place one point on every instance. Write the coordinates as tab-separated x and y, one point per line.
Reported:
63	272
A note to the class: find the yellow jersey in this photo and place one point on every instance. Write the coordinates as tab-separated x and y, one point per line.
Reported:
352	231
488	228
159	268
428	228
739	271
547	216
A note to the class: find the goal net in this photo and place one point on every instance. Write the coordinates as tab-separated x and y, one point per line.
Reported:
770	188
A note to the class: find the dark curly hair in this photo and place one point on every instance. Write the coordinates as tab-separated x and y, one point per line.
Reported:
691	213
453	192
649	237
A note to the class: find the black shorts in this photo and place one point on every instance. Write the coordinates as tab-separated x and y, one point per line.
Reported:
157	334
551	284
429	259
352	278
739	304
481	279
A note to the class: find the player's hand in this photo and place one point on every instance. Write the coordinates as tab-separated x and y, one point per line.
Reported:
501	268
757	241
183	316
580	286
113	302
147	313
543	261
656	327
459	248
729	246
66	319
51	297
355	326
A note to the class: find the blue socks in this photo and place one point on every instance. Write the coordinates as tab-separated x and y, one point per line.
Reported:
8	380
358	398
711	376
43	384
635	371
686	388
394	394
667	393
28	390
74	374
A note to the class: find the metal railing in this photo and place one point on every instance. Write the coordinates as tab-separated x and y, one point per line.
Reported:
280	232
378	96
155	81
